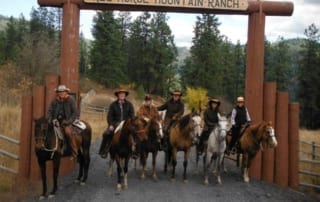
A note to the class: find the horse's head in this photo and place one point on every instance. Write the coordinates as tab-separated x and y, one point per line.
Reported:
269	135
40	131
196	125
222	128
157	124
137	126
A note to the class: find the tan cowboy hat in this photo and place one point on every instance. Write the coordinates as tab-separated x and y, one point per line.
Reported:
176	92
240	99
62	88
121	90
214	100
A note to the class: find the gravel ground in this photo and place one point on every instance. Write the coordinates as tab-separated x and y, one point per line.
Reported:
100	187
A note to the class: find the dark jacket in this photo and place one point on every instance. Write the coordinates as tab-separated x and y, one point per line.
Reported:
63	109
115	116
211	118
174	108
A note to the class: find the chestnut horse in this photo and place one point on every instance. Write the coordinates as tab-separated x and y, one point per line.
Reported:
253	138
123	142
151	144
182	137
47	147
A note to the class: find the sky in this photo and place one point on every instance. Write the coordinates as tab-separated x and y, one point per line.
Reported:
235	27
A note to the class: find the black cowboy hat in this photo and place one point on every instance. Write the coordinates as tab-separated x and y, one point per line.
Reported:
121	90
176	92
214	100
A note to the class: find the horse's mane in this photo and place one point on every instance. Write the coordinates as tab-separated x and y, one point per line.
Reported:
184	121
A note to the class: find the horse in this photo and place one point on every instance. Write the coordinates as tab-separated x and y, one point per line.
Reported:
122	145
215	150
80	132
182	137
151	143
47	147
252	140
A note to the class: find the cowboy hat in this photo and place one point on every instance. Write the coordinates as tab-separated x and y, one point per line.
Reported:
176	92
240	99
62	88
121	90
148	97
214	100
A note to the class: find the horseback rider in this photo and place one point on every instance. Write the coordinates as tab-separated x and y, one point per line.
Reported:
174	110
119	110
211	119
147	109
239	117
63	109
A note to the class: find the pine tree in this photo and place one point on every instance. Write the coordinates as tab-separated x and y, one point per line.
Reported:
106	56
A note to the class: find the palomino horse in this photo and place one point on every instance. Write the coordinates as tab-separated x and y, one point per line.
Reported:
151	144
252	139
216	147
47	147
181	138
82	140
122	144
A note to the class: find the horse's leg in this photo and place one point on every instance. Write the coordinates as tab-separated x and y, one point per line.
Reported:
110	170
154	159
42	165
56	166
219	161
197	161
207	161
86	164
174	163
245	168
185	164
119	173
81	165
143	159
125	172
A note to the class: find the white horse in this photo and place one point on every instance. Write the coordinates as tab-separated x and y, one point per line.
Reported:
214	153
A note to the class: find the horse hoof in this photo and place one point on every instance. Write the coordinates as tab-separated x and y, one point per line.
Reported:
155	178
41	198
76	181
142	177
51	196
185	181
125	186
206	182
82	183
118	187
173	179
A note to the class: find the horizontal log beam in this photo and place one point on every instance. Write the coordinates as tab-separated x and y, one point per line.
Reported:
270	8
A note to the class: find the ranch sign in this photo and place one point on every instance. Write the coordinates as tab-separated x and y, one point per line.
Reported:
207	4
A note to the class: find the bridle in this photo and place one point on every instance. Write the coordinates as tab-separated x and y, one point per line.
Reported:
43	131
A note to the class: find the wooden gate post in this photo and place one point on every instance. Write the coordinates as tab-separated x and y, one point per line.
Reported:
38	112
269	114
69	70
294	145
25	137
281	151
254	77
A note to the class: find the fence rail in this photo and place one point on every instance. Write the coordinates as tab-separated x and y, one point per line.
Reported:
314	161
8	154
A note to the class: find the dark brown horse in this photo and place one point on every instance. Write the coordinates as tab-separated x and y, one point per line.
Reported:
253	138
81	138
182	137
47	147
123	142
150	144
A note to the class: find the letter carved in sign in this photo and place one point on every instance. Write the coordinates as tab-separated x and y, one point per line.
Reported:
203	4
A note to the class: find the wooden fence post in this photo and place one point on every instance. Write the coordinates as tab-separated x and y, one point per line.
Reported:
293	145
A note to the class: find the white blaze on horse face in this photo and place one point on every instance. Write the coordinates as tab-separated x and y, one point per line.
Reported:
197	129
272	137
160	132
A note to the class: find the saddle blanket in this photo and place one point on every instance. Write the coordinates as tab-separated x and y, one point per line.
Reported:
79	124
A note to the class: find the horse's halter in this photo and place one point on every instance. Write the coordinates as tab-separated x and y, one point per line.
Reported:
196	127
221	130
